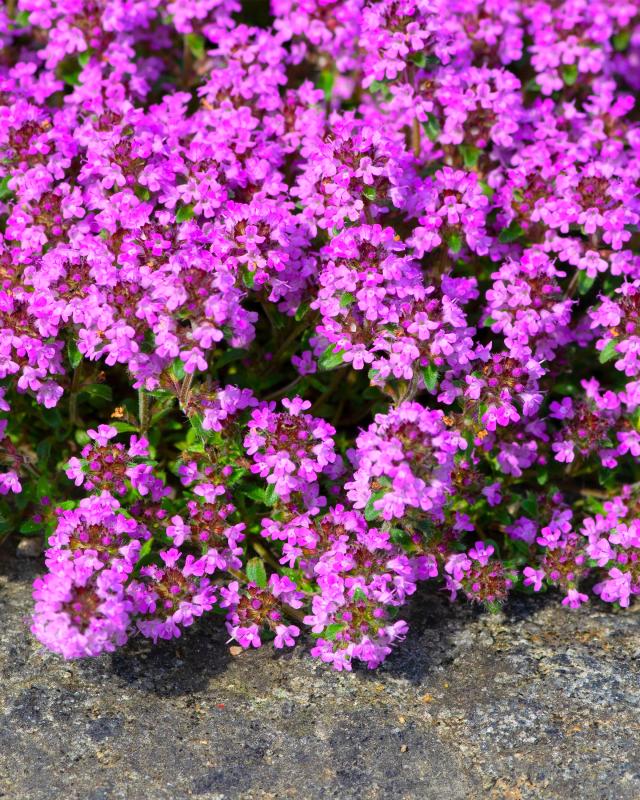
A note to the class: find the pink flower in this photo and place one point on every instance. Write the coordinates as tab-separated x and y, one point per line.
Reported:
533	577
574	599
286	635
103	434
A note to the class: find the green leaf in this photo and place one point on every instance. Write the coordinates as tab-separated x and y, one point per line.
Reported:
142	192
570	74
430	377
256	572
145	549
609	352
248	278
381	87
177	369
31	526
21	19
195	420
370	192
530	506
233	354
346	299
159	415
124	427
43	450
470	155
532	85
486	189
510	234
98	391
359	595
326	80
147	556
543	476
401	537
419	59
584	282
279	319
331	358
82	438
432	127
270	495
184	213
72	77
85	57
5	191
331	631
621	40
73	354
195	43
454	240
301	312
255	493
370	512
372	393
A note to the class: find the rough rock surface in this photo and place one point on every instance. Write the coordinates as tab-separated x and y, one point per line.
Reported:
536	702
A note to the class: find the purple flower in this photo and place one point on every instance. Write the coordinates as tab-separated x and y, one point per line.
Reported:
103	434
430	263
81	612
533	577
286	635
574	599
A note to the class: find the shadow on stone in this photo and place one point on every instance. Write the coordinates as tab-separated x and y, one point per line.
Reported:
178	667
537	702
18	569
185	666
433	623
522	607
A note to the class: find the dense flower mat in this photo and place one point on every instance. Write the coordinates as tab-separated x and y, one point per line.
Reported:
315	300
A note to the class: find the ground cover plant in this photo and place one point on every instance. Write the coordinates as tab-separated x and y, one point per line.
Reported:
304	303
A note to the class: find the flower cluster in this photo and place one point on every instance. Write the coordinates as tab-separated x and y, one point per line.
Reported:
303	304
290	449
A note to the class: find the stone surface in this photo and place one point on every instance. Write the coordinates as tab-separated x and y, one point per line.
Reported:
534	703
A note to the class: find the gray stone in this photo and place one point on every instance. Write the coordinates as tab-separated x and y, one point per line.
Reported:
534	703
29	548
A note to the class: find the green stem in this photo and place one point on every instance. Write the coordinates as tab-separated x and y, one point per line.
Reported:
282	349
187	63
416	138
412	389
73	397
144	411
339	409
185	390
267	312
265	554
573	285
281	392
338	376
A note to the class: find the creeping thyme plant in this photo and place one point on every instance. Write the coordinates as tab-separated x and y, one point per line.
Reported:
305	302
